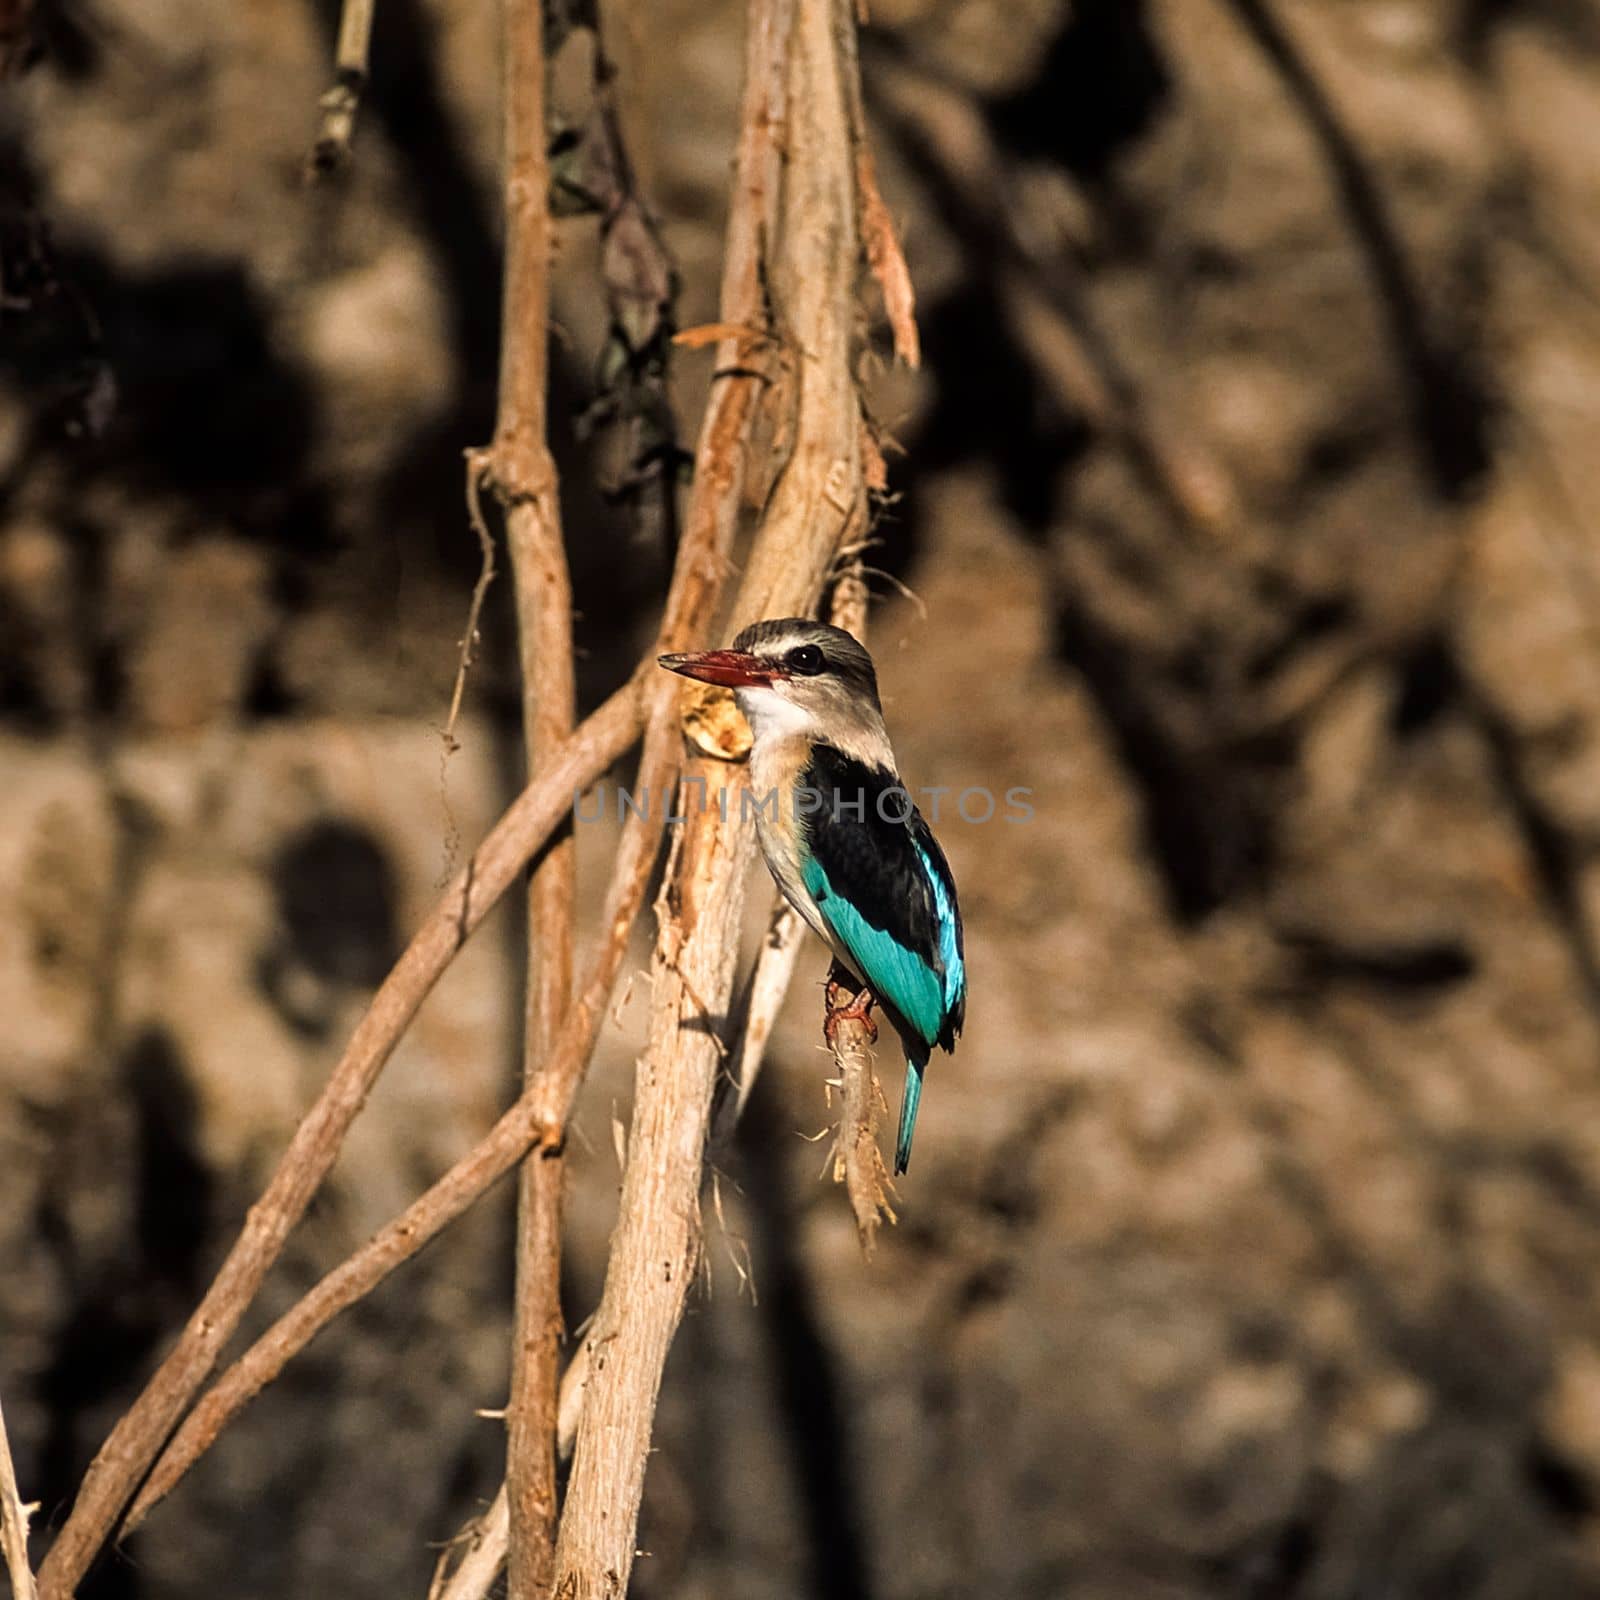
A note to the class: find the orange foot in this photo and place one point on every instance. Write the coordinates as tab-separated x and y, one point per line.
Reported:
845	1004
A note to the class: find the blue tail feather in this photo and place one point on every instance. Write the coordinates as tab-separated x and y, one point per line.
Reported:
910	1099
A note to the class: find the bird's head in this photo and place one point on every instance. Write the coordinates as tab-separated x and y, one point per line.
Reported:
792	676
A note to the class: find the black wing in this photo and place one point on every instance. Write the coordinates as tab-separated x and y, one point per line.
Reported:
870	847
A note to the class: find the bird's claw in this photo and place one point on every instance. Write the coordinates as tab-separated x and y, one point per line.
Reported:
845	1004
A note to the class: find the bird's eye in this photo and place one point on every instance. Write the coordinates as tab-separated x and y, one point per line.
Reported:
805	659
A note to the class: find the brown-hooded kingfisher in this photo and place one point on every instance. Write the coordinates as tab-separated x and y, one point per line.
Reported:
849	850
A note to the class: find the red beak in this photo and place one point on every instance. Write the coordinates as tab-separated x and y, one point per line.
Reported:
733	669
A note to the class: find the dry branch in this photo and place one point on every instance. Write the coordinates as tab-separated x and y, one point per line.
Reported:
857	1158
769	987
134	1443
720	465
519	466
14	1516
475	1572
796	94
341	103
488	1535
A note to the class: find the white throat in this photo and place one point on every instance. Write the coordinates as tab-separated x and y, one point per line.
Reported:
778	722
774	716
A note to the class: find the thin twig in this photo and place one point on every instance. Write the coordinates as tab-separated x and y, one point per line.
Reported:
485	1538
343	100
489	1533
769	987
480	590
520	468
570	1410
127	1454
14	1518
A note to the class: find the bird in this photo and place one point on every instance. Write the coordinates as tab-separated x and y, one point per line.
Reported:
841	837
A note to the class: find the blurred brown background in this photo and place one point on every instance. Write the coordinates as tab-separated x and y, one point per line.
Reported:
1248	499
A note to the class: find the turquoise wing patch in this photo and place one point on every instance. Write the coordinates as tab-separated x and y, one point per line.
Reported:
903	978
955	969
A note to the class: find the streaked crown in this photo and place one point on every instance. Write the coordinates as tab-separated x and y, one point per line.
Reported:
799	648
